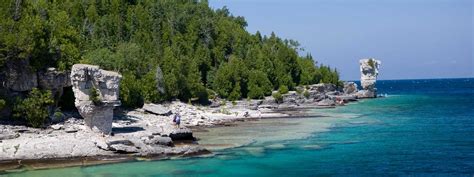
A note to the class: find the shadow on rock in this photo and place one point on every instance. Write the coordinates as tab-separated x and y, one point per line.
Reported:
118	130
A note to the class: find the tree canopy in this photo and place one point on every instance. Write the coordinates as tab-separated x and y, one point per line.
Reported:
197	48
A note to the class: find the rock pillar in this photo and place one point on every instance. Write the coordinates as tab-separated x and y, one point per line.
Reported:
369	69
97	93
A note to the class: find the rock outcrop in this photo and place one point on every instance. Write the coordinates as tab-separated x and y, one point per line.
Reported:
19	76
54	80
369	69
87	79
326	102
350	88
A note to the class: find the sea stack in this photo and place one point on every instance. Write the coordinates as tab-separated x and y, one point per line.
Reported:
97	93
369	69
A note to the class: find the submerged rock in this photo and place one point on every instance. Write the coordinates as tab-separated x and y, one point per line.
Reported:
87	78
369	71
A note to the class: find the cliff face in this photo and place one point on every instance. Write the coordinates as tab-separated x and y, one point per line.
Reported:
369	69
17	78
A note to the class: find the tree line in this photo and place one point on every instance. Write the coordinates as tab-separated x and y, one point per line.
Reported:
201	52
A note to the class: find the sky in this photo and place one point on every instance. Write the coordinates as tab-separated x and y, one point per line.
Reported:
414	39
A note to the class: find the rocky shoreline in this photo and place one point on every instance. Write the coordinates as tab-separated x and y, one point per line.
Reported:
148	132
142	133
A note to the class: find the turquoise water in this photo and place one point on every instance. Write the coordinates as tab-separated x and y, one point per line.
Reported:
423	128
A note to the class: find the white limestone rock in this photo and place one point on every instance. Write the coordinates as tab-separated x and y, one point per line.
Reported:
322	87
57	126
326	102
84	78
157	109
369	69
350	88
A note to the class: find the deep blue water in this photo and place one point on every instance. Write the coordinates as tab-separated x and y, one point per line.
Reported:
423	128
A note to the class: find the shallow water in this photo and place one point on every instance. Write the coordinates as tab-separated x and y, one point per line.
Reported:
424	127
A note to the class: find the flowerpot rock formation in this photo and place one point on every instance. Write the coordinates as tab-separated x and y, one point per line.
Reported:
369	69
96	107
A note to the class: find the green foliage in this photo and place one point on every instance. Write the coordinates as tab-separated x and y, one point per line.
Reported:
2	103
57	116
278	97
94	97
258	85
42	31
309	73
283	89
231	79
129	91
34	108
329	75
197	47
211	94
235	94
299	90
306	94
371	63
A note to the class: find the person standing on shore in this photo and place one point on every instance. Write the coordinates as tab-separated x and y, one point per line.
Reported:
177	119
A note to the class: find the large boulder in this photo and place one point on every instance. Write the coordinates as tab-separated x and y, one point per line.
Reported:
326	103
157	140
350	88
369	69
157	109
181	133
322	87
87	78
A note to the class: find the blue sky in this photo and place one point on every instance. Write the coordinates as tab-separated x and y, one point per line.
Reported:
412	38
